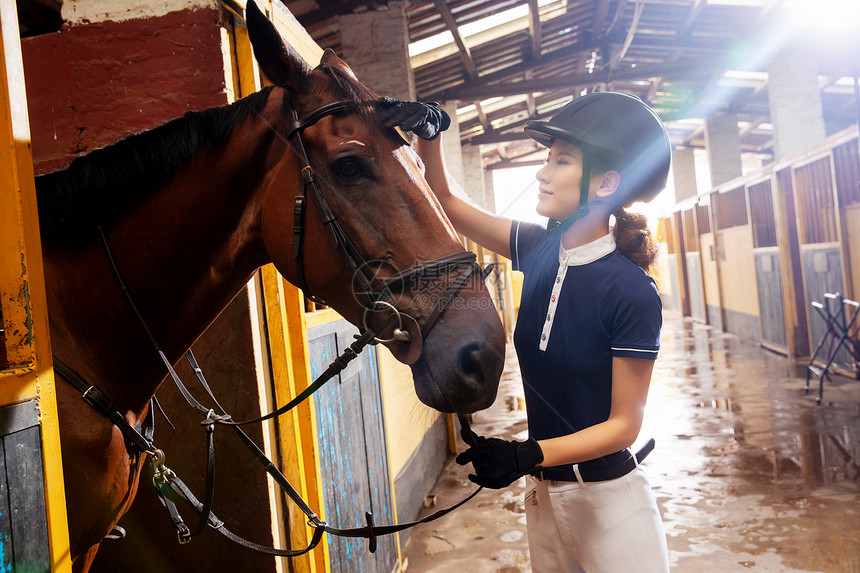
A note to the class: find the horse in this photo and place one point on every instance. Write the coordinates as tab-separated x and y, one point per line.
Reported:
191	209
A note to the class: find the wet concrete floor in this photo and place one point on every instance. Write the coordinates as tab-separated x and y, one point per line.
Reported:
749	472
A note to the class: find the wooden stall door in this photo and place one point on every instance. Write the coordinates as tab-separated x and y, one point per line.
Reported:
708	263
353	451
769	282
681	268
736	264
668	232
846	168
792	274
767	267
694	267
674	280
820	249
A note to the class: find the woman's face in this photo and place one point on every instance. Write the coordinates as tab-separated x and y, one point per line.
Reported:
558	197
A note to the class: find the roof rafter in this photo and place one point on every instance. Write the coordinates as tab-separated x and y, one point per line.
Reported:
481	90
564	54
465	53
535	29
599	17
684	30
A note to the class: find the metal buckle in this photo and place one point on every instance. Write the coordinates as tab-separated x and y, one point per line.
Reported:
399	334
183	534
161	474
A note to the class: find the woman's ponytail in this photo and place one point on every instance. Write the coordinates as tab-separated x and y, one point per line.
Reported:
634	238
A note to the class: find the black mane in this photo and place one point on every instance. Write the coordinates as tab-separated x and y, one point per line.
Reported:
97	188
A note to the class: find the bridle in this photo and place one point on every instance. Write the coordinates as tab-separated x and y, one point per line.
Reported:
375	290
167	484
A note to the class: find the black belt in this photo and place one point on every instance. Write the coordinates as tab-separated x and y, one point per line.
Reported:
601	469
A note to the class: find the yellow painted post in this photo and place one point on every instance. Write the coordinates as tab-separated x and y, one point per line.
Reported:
303	419
507	292
29	374
296	443
248	74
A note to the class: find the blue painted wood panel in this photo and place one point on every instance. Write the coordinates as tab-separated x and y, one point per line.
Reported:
353	451
674	281
822	272
23	517
697	290
769	283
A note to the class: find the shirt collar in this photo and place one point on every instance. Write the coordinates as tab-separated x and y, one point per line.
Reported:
587	253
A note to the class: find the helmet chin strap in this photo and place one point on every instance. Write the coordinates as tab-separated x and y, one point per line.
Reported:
582	210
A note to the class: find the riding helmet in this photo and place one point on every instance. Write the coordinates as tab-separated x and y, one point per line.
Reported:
623	130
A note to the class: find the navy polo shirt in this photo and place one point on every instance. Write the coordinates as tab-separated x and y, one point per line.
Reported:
579	308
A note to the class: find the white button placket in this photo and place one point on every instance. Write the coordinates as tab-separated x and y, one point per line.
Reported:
553	301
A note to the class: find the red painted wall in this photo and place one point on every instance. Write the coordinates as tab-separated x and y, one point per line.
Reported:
91	84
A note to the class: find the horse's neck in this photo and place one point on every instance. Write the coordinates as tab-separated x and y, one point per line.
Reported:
184	254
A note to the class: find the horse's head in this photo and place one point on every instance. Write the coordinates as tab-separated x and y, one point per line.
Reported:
437	317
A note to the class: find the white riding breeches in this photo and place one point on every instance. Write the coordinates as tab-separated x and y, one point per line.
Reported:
597	527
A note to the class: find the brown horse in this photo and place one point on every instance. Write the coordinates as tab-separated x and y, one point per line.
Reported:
191	209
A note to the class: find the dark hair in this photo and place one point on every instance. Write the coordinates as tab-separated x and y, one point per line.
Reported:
97	188
634	238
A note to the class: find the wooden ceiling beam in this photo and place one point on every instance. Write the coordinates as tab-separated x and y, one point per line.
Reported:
653	89
753	125
497	137
562	54
599	18
465	53
683	30
482	117
698	132
483	90
569	53
531	106
619	16
535	29
508	164
740	103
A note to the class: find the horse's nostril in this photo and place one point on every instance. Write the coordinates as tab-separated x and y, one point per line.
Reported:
470	362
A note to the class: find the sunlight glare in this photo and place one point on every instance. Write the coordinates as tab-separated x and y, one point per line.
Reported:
831	17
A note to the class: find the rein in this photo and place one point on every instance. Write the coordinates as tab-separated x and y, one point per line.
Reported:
167	484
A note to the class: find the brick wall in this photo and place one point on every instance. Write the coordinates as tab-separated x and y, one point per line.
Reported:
91	84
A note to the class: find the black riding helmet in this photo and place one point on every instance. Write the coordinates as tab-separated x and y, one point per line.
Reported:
623	132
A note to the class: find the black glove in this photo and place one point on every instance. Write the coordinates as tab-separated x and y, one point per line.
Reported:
498	463
426	120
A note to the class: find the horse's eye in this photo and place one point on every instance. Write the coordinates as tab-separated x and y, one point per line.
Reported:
348	168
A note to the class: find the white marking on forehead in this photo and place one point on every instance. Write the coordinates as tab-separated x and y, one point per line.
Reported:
353	142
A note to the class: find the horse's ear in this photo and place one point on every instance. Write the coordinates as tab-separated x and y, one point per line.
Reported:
281	63
330	59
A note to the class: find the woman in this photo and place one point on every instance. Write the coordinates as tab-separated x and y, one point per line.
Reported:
587	335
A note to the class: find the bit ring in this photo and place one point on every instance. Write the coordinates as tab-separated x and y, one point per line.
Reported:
398	332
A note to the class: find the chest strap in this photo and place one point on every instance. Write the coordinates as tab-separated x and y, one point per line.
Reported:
96	398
